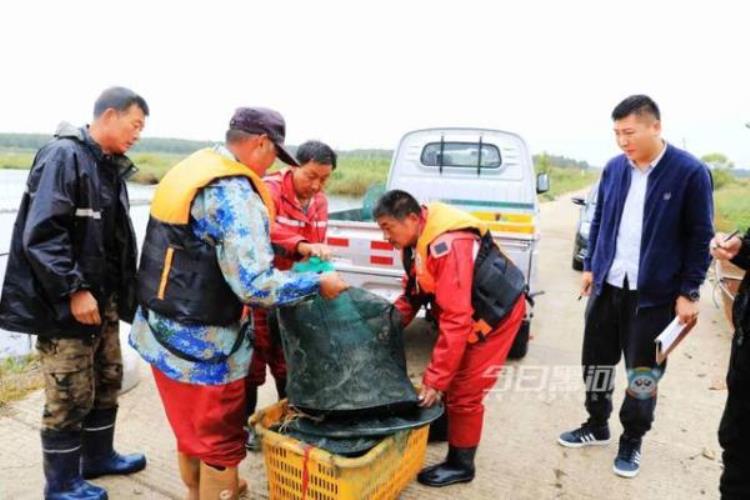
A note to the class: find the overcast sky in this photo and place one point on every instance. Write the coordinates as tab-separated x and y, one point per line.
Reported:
360	74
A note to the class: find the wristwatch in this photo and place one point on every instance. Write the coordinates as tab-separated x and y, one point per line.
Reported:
692	296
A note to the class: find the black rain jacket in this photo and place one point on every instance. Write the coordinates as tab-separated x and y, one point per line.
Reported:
73	231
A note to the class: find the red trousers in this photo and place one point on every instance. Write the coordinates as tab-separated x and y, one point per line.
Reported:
266	352
207	420
478	372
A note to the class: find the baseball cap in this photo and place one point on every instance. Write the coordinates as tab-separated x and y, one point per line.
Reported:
264	121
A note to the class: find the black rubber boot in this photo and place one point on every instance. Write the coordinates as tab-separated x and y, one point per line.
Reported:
439	430
62	468
251	401
99	457
457	468
281	387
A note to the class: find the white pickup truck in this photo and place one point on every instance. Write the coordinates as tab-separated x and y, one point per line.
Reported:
486	172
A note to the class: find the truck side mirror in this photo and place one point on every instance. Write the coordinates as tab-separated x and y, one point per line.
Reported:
542	183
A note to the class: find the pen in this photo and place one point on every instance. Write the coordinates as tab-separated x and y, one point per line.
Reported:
725	240
735	233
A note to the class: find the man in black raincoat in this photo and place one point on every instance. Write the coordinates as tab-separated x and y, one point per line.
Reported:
70	279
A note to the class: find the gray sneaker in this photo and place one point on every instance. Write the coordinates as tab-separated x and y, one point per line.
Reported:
628	460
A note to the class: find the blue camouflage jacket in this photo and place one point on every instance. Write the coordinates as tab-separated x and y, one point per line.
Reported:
228	211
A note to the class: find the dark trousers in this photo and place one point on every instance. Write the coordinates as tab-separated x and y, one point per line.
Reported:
734	430
615	326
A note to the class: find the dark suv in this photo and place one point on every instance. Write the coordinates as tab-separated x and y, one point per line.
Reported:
588	205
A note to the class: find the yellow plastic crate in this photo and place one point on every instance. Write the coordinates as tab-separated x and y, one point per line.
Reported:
296	470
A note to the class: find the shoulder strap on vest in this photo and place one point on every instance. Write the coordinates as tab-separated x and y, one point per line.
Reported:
441	219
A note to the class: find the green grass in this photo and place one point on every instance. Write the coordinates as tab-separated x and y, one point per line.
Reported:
355	173
732	204
565	180
16	159
18	377
153	166
352	177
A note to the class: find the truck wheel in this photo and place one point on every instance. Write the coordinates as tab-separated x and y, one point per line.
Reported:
521	343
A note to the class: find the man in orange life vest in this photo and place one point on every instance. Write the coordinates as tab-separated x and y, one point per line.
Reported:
298	232
206	253
478	298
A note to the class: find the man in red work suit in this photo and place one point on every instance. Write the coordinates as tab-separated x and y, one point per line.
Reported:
478	297
298	232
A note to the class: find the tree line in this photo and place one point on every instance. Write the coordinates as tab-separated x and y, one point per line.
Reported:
162	145
186	146
145	145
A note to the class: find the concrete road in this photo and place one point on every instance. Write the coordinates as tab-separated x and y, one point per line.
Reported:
535	400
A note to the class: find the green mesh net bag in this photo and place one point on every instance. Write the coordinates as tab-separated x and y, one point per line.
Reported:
346	356
347	447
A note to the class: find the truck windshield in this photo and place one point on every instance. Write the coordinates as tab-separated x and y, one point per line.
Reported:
460	154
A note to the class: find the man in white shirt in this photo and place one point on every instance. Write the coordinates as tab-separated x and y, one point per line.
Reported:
648	255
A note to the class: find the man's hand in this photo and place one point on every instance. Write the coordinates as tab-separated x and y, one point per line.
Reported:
686	310
319	250
587	281
429	396
725	250
331	285
84	308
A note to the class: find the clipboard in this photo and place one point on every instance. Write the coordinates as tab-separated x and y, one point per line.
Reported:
671	337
